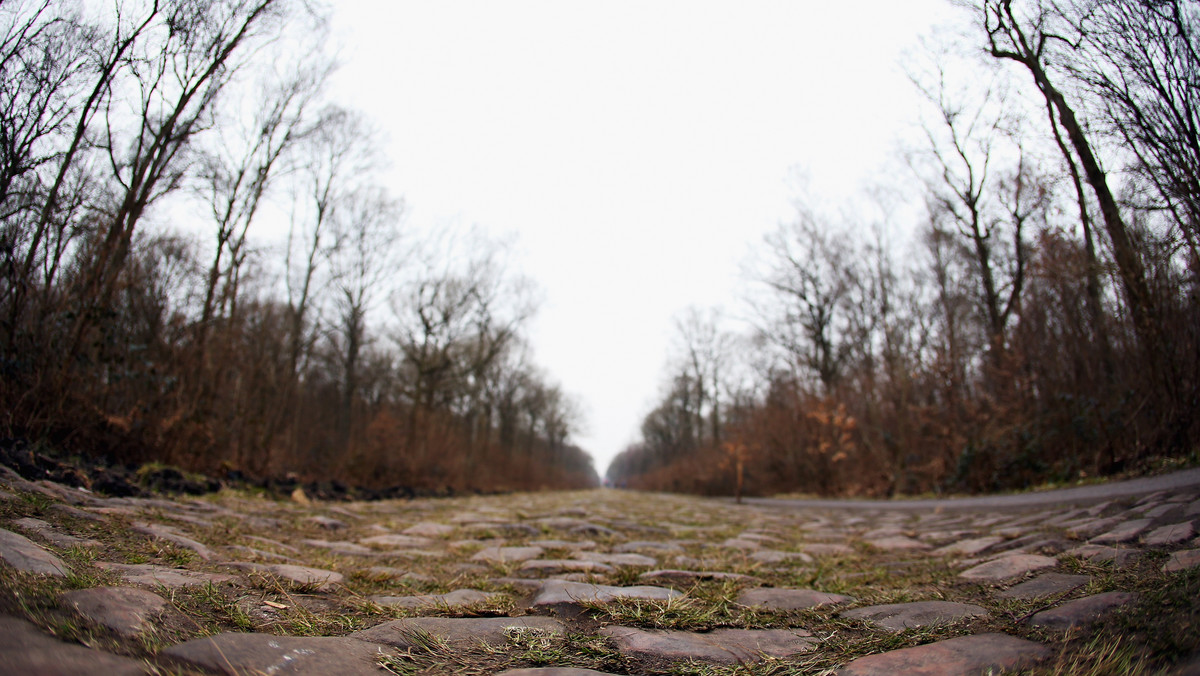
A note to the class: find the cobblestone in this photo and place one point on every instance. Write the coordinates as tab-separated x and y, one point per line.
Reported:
578	584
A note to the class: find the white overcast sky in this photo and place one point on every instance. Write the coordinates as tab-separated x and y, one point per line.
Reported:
636	150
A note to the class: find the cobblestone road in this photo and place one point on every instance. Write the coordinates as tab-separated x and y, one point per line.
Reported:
1100	580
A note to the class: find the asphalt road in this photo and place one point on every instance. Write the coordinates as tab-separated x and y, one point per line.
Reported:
1079	495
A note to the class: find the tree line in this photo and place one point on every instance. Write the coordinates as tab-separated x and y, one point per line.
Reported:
147	152
1024	308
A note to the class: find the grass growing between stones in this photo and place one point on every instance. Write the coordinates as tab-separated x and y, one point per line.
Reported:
524	649
1161	630
1100	656
682	613
36	598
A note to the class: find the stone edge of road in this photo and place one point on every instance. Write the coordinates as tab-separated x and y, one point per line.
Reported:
1060	496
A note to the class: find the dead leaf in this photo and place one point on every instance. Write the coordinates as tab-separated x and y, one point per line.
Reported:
299	496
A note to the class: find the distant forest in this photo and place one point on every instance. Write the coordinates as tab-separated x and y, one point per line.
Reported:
1041	320
147	150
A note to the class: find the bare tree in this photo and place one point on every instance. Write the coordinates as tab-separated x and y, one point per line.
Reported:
704	352
808	273
59	74
335	152
988	207
365	255
1030	39
238	171
42	63
188	58
455	321
1094	287
1141	60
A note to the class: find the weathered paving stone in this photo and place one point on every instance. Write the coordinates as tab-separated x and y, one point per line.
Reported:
60	492
571	545
172	535
505	528
521	584
559	592
776	556
26	555
1032	544
243	654
1152	499
560	522
788	599
1046	584
901	616
1081	612
26	651
1168	510
1125	532
978	654
469	569
721	646
474	517
1101	553
594	530
1008	567
626	524
691	576
989	521
458	597
1170	535
53	536
413	554
428	529
152	575
617	559
970	547
263	523
830	536
1086	528
340	547
821	549
897	543
126	610
301	575
327	522
458	632
943	537
507	554
1181	560
1010	533
741	544
643	545
555	566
